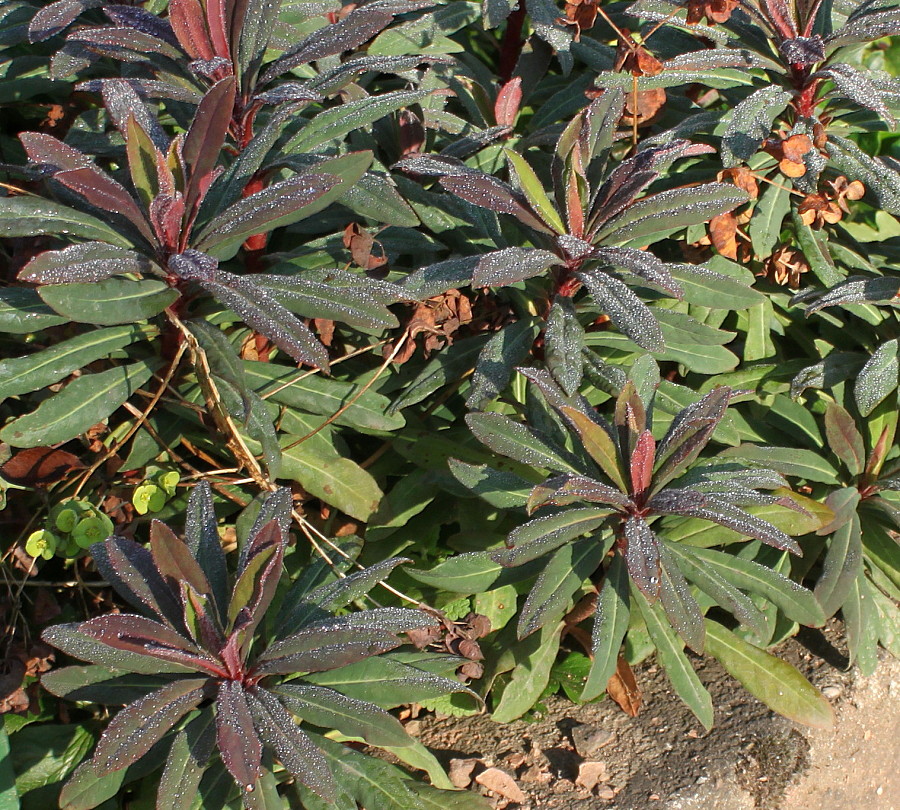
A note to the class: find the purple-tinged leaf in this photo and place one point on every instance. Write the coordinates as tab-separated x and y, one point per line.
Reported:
642	264
141	20
495	195
174	561
318	649
689	433
854	290
564	489
841	567
642	556
517	441
78	172
202	538
254	305
859	88
359	26
70	640
187	761
88	262
865	28
139	726
56	17
538	537
501	267
630	315
844	438
255	587
803	51
878	378
103	685
148	88
201	619
293	92
277	506
206	137
642	458
129	568
122	43
131	633
327	708
237	738
725	514
187	19
280	204
122	103
564	345
436	166
680	606
597	439
292	747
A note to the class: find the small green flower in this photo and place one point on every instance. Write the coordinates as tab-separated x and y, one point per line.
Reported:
148	498
168	481
92	530
66	520
41	543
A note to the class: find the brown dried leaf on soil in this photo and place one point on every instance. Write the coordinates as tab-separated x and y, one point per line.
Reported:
623	688
39	466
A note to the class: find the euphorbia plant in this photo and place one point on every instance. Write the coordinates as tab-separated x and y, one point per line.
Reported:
221	666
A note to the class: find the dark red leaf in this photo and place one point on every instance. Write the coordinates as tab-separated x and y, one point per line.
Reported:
495	195
236	735
509	99
206	136
174	561
39	466
188	23
642	458
139	726
642	556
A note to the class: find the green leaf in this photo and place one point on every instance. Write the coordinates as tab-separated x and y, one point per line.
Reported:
878	378
534	192
497	604
497	361
465	573
45	754
795	601
34	371
85	262
499	488
9	798
841	567
680	607
537	537
325	474
610	626
775	682
100	684
187	762
534	658
844	438
671	655
669	211
862	624
82	403
563	345
321	395
516	441
815	250
771	208
109	302
34	216
338	121
707	288
599	445
561	577
750	123
878	178
792	461
22	311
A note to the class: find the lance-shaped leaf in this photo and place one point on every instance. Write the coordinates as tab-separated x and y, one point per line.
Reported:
280	204
187	761
751	123
680	606
88	262
566	489
291	746
109	301
797	603
854	290
495	195
643	264
517	441
688	434
565	572
174	560
205	137
330	709
881	179
685	502
317	649
630	315
255	586
507	266
641	466
859	88
202	538
878	377
564	344
129	568
254	305
841	567
598	442
844	438
538	537
642	555
236	735
135	729
498	359
34	216
610	625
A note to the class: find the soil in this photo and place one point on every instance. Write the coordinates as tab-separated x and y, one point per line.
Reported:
663	759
